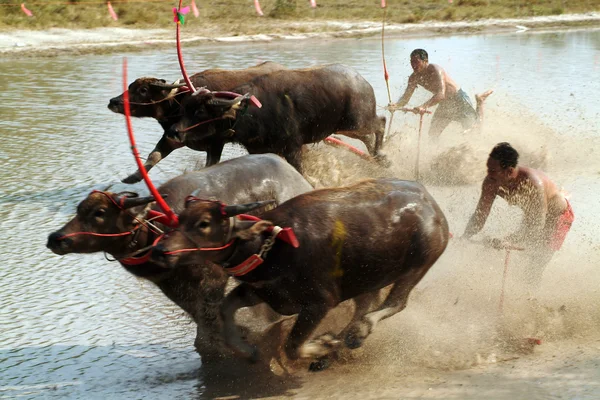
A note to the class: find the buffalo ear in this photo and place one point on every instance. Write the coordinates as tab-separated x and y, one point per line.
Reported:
254	230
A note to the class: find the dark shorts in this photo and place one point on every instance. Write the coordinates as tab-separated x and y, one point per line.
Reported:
457	108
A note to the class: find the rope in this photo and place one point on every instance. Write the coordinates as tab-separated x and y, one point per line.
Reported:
136	155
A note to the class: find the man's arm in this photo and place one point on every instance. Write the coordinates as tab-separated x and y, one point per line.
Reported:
437	85
410	89
477	221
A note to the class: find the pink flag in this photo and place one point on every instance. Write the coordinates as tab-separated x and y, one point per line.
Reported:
382	3
257	6
26	11
195	9
313	3
112	12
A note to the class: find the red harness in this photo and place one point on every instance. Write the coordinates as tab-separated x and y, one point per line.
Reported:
251	263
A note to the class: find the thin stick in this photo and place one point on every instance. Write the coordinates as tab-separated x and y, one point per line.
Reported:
506	261
418	147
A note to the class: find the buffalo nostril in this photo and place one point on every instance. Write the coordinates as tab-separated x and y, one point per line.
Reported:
158	252
173	132
54	239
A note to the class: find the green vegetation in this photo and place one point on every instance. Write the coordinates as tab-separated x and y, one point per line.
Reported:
238	16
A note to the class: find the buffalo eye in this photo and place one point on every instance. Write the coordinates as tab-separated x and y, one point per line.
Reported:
143	91
203	225
99	213
199	113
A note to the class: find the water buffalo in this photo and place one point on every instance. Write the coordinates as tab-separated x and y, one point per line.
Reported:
155	98
352	241
197	289
298	107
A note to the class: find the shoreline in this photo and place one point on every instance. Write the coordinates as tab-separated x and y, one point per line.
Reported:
55	42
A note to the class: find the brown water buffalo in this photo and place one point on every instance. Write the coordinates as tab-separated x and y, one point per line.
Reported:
197	289
298	107
352	240
155	98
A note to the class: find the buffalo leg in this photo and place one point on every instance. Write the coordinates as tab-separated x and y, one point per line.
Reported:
294	158
241	296
213	153
365	137
163	148
393	304
308	319
362	305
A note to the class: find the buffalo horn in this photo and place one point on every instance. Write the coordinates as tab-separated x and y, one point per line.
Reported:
200	91
169	86
231	211
134	201
219	101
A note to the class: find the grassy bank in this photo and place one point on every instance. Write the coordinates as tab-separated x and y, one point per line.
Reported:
239	16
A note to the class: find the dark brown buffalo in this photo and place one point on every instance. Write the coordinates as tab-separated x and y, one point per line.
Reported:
198	289
298	107
353	241
155	98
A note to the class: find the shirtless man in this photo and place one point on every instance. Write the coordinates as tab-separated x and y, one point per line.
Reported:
547	213
453	103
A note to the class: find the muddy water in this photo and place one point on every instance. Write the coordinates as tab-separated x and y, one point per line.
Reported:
81	327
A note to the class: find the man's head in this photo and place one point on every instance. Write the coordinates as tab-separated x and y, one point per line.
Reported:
419	60
502	162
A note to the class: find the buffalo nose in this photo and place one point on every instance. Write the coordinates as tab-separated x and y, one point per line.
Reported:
173	132
159	253
114	103
56	240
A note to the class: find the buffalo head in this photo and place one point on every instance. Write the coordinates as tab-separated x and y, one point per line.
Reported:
104	222
146	96
206	113
206	225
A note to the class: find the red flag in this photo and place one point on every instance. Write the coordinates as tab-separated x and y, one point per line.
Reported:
112	12
26	11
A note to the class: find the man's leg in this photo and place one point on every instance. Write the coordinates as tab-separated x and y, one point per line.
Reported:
464	111
437	127
534	270
480	98
438	123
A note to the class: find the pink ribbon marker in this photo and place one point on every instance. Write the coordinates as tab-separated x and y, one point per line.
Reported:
112	12
26	11
382	3
257	7
195	9
176	13
313	3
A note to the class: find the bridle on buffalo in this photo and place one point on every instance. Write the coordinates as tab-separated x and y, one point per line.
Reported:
251	262
135	231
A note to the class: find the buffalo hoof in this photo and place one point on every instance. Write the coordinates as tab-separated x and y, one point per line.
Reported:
319	365
353	341
132	179
382	160
254	356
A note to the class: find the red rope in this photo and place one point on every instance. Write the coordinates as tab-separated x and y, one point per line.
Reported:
161	202
201	248
100	234
180	56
